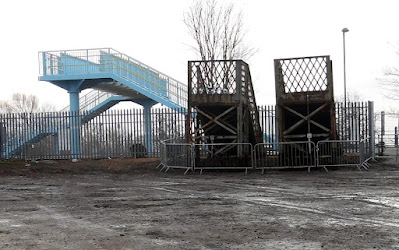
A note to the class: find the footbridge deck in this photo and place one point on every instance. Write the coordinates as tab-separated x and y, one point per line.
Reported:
111	71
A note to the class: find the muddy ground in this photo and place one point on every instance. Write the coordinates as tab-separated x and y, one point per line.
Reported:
128	204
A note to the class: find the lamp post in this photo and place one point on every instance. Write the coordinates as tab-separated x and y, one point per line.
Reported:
344	30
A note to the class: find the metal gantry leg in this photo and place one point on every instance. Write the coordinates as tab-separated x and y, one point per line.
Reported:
74	121
147	128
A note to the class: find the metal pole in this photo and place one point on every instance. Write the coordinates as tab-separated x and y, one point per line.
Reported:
371	128
147	128
344	30
397	142
74	123
382	132
343	33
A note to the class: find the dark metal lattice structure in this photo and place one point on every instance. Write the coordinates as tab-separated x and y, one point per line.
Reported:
223	112
305	99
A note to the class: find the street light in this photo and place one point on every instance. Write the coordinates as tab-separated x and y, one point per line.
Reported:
346	130
344	30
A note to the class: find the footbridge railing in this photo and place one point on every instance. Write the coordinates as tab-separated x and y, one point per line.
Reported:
106	62
91	100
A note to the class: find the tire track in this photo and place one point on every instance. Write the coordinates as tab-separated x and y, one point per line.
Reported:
269	197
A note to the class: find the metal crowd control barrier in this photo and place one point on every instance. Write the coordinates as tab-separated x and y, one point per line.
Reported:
162	153
388	144
278	155
282	155
343	153
223	156
366	152
176	156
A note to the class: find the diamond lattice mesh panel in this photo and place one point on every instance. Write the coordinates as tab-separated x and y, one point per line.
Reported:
304	74
213	77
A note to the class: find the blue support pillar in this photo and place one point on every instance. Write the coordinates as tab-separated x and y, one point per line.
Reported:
74	122
73	87
147	128
74	101
148	140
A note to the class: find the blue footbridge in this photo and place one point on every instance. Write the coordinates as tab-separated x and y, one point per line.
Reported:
113	77
113	72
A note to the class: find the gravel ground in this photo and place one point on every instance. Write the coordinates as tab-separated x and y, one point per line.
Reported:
129	204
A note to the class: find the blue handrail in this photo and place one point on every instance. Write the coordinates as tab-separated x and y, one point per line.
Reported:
96	63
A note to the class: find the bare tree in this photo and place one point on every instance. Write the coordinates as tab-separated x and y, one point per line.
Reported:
219	34
19	124
22	103
351	96
390	81
218	31
24	108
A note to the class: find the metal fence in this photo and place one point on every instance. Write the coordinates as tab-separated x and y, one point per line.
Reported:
175	153
353	120
281	155
385	140
213	156
114	133
388	144
367	151
222	156
120	133
265	156
344	153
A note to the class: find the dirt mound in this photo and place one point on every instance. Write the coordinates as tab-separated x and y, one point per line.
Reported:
120	165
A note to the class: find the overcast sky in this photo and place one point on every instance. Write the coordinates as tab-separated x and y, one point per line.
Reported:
153	32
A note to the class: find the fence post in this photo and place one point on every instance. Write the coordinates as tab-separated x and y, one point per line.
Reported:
371	128
277	136
147	128
163	153
192	150
382	131
361	153
1	138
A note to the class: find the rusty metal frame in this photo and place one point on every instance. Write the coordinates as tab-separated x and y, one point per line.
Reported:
218	120
305	99
221	104
306	118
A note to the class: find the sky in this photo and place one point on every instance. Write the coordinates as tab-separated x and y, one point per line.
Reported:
153	32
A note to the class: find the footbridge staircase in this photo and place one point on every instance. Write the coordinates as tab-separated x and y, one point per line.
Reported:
96	102
112	76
